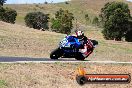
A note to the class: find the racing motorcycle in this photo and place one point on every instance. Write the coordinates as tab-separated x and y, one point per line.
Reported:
69	48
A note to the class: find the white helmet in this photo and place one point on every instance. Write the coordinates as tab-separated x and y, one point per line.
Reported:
80	34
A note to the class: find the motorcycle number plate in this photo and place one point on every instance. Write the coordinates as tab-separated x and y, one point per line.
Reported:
64	41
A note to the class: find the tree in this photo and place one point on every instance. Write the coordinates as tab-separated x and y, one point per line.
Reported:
8	15
2	11
115	16
62	22
128	35
55	25
37	20
45	2
66	2
2	2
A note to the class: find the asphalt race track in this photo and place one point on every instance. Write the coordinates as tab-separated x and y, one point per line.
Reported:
48	60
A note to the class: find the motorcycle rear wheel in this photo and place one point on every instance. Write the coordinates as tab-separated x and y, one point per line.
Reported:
79	56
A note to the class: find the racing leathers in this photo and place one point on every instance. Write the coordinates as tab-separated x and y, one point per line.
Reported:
87	46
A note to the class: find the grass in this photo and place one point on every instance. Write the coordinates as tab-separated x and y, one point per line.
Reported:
20	20
17	40
21	41
3	84
77	7
23	9
57	75
109	49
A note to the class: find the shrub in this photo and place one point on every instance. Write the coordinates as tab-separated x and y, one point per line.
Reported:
37	20
8	15
95	21
62	22
128	35
2	11
45	2
115	16
2	2
66	2
87	18
55	25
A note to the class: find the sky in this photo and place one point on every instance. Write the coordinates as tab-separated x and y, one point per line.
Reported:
36	1
32	1
129	0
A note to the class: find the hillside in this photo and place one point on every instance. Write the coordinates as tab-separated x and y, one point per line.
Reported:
17	40
78	7
94	6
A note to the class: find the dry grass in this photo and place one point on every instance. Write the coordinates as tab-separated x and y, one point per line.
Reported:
16	40
23	9
57	75
78	7
109	49
95	5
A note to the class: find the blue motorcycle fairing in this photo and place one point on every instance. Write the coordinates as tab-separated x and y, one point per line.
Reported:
69	41
70	45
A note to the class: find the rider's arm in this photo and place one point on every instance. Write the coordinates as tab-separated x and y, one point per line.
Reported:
84	49
90	45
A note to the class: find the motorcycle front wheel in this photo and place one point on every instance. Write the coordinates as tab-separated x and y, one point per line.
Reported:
56	53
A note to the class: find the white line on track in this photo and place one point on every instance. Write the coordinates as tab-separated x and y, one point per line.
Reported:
103	62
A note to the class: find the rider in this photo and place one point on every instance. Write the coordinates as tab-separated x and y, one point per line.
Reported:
87	46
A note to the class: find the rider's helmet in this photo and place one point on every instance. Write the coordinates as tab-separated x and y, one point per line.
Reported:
80	34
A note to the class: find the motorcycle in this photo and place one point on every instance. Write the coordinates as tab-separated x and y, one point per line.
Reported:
69	48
